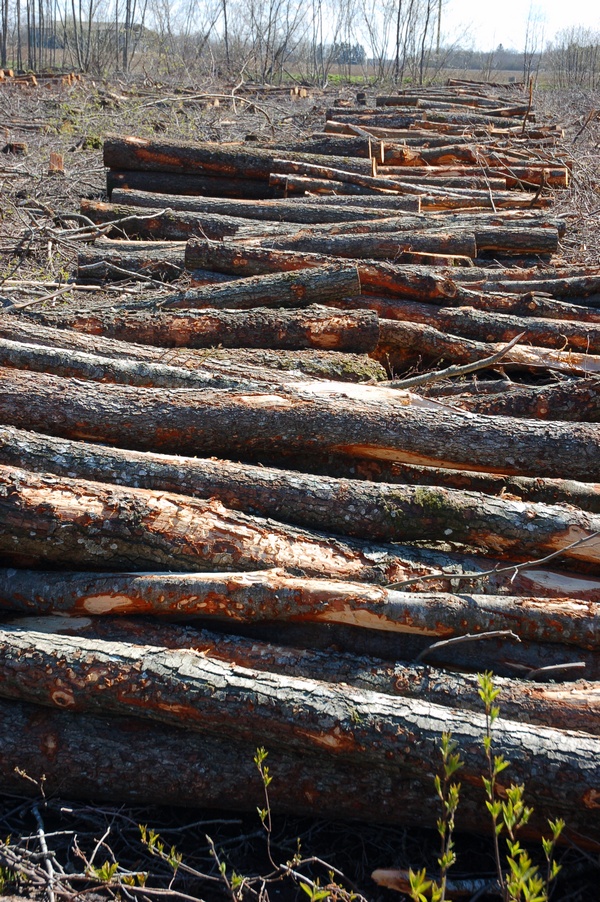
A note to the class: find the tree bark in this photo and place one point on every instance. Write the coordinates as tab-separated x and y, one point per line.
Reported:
309	327
273	210
169	225
381	512
205	695
118	260
405	344
211	159
189	184
314	184
501	327
79	524
274	596
175	767
356	422
337	146
287	289
248	364
574	401
381	246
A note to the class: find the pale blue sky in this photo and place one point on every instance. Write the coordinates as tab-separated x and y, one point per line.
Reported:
485	23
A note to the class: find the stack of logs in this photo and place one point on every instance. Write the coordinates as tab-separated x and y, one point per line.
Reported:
229	521
10	78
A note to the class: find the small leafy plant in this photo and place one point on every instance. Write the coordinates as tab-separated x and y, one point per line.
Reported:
518	879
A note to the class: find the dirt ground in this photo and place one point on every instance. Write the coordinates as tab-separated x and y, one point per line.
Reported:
38	248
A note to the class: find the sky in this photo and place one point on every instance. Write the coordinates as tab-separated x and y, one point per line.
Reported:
483	24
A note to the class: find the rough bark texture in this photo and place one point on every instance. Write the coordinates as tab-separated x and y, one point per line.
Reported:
79	524
149	260
354	421
405	344
273	210
205	158
192	185
577	401
256	365
400	734
310	327
377	511
380	246
272	595
172	766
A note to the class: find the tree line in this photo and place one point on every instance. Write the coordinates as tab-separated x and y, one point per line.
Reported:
270	41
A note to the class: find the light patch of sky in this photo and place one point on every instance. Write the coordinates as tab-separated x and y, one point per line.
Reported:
483	24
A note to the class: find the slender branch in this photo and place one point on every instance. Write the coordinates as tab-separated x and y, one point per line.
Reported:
455	370
467	637
483	574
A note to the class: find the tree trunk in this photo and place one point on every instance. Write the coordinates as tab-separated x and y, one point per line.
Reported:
273	210
248	364
304	184
274	596
175	767
378	731
190	184
381	246
309	327
211	159
169	225
288	289
575	401
501	327
144	260
48	524
337	146
382	512
405	344
361	422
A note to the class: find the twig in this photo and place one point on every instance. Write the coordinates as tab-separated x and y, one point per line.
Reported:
483	574
455	370
45	853
467	637
553	668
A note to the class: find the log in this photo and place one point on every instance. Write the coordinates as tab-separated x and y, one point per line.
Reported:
314	184
212	159
274	596
379	731
575	401
173	767
571	707
47	516
166	224
309	327
381	246
295	289
501	327
405	344
510	175
380	511
189	184
122	260
273	210
354	421
337	146
256	365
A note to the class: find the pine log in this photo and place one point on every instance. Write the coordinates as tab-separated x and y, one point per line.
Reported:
500	327
166	224
207	158
208	696
381	246
273	210
274	596
314	184
189	184
309	327
575	401
356	421
575	706
79	524
255	365
293	289
338	146
122	260
478	181
406	344
382	512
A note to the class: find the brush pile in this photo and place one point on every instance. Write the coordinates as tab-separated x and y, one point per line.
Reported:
252	508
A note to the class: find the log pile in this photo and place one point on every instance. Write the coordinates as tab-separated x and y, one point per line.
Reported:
234	514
